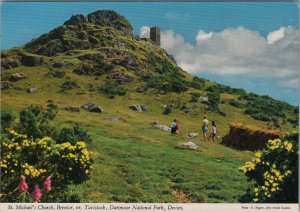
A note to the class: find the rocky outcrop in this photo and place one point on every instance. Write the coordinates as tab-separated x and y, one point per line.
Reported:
16	77
246	137
10	63
92	107
137	107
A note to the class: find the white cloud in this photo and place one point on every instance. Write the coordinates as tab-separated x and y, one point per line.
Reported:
276	35
238	51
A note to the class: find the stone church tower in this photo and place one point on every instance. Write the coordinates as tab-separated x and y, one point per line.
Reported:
155	35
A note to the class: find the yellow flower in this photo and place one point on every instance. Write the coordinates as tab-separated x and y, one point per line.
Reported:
255	189
273	189
86	171
26	172
258	154
255	199
81	144
289	147
70	168
266	183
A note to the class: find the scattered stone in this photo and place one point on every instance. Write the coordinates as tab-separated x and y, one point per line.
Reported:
192	135
141	88
72	109
16	77
190	145
162	127
92	107
187	109
139	108
32	90
120	77
115	118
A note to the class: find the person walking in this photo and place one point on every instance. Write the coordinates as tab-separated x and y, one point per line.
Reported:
173	126
177	127
213	131
204	127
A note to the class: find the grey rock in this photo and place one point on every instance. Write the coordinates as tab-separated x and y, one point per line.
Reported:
190	145
31	90
192	135
92	107
16	77
115	118
139	108
120	77
162	127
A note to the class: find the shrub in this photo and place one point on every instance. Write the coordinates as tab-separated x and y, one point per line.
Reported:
195	97
274	172
68	85
7	118
73	135
213	101
34	120
37	160
57	73
167	110
111	89
235	103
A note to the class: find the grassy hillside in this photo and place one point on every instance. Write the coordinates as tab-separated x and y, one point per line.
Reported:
75	64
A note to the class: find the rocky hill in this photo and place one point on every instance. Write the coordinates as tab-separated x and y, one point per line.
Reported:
98	54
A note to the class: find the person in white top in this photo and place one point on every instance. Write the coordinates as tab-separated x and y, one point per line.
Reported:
213	131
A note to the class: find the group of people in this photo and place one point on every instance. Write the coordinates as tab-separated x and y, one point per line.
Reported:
205	123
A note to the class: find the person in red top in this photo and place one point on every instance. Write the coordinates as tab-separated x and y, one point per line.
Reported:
213	131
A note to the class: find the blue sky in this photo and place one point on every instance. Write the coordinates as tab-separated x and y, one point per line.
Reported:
21	22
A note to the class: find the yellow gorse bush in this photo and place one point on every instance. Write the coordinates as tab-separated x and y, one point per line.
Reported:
270	176
39	158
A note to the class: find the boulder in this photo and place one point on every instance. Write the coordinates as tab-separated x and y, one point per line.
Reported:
72	109
29	60
139	108
92	107
162	127
192	135
16	77
190	145
31	90
115	118
120	77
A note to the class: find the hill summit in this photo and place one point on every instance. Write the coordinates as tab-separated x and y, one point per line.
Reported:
81	32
